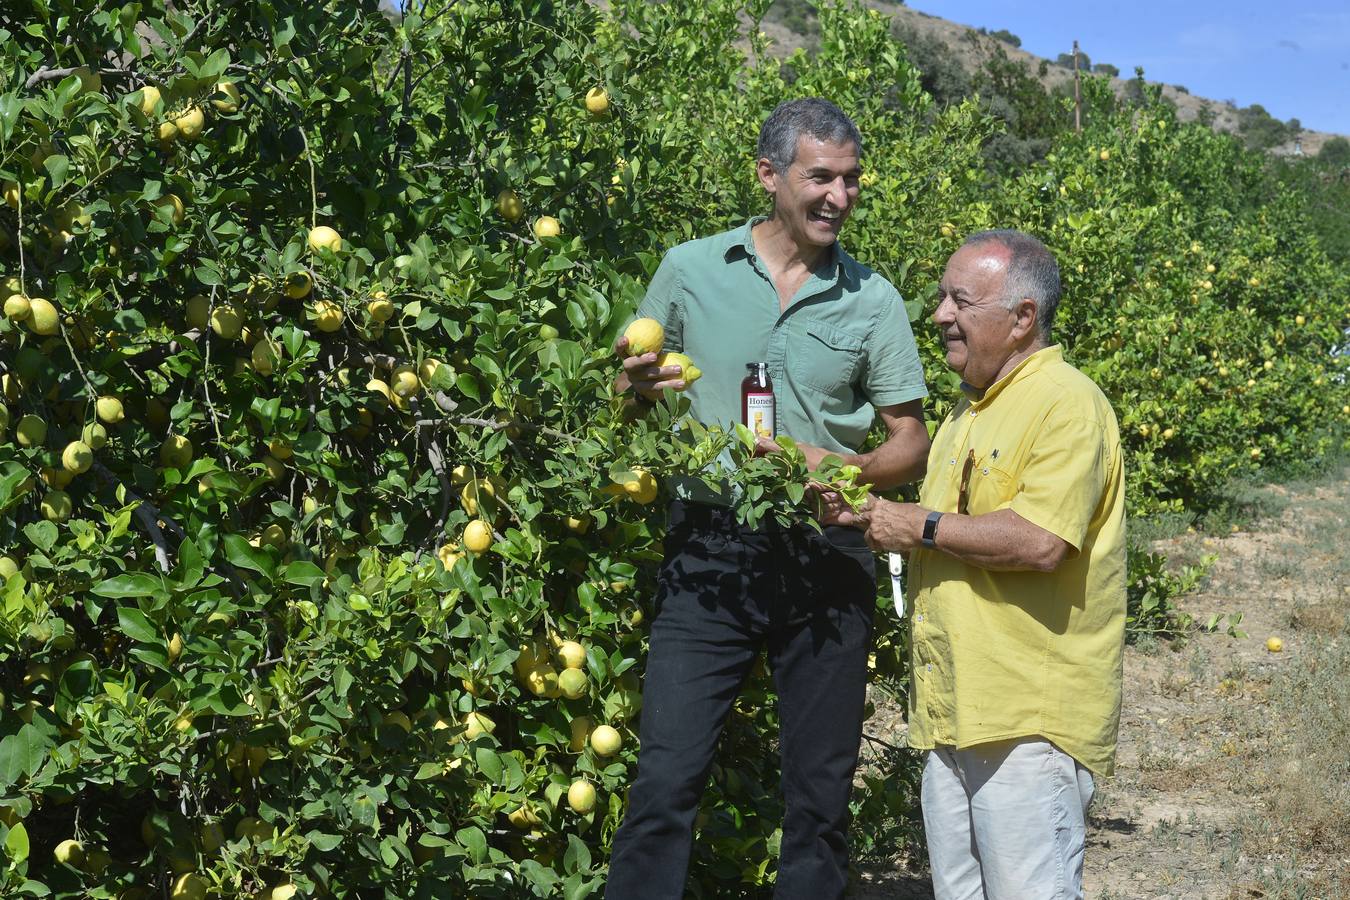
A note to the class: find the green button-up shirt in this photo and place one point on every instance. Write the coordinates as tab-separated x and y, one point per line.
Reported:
841	347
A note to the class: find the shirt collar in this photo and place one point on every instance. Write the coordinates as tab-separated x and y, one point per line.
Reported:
1046	356
742	246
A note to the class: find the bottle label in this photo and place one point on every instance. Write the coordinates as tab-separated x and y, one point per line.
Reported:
759	414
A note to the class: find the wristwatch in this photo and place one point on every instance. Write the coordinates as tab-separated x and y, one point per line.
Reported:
930	525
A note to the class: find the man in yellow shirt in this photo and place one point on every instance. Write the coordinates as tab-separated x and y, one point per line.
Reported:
1016	585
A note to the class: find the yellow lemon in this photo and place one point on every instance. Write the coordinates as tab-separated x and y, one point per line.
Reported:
477	536
150	99
573	683
42	316
322	237
547	227
77	457
476	725
109	409
572	655
298	285
581	796
227	322
509	205
405	382
175	452
31	431
174	204
605	741
597	101
642	488
645	336
55	506
69	852
190	124
327	316
1274	644
17	308
189	886
227	97
380	308
581	732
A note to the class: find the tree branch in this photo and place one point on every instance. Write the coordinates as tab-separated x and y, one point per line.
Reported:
496	425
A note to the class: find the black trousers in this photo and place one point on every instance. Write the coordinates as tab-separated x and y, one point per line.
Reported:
724	592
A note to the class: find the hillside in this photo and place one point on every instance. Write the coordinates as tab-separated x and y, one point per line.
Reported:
791	25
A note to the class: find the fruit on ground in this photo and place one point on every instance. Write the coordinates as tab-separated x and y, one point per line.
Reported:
69	852
509	205
1274	644
175	452
477	536
597	101
581	796
77	457
644	336
109	410
42	316
55	506
573	683
322	237
572	655
547	227
606	741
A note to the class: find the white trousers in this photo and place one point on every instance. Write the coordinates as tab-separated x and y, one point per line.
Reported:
1006	821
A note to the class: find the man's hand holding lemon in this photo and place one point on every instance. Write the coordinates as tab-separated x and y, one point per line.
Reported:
647	368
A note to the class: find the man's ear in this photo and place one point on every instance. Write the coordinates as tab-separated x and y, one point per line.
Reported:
765	172
1025	318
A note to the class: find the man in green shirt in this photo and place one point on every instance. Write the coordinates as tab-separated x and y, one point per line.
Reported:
838	347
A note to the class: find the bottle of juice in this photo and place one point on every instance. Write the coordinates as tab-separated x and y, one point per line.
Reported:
757	411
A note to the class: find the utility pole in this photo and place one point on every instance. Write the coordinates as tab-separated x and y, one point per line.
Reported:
1077	100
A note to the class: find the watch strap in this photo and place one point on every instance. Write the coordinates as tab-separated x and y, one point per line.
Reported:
930	526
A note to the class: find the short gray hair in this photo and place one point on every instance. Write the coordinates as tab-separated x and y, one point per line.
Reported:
809	116
1032	272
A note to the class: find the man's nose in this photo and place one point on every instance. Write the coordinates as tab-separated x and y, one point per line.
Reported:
945	312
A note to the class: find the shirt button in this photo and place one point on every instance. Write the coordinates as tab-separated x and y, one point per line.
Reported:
930	667
972	413
952	463
919	618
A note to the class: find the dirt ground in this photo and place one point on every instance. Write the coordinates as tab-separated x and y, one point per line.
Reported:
1233	776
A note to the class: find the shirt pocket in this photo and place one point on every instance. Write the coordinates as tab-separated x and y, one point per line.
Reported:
824	357
991	487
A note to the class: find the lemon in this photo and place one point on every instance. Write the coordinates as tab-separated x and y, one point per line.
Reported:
380	308
428	369
581	796
572	655
190	124
327	316
523	818
547	227
69	852
1274	644
542	681
175	452
227	322
197	311
42	316
150	98
322	237
190	886
77	457
166	132
31	431
642	488
17	308
597	101
477	536
573	683
476	725
605	741
298	285
509	205
581	732
645	336
405	382
55	506
688	371
109	410
227	97
174	204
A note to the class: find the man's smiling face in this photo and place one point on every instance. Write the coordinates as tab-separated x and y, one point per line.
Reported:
976	326
818	191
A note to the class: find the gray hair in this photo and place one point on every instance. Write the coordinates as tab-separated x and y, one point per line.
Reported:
1032	273
809	116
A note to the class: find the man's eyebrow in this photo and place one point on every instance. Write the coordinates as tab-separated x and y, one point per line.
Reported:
826	170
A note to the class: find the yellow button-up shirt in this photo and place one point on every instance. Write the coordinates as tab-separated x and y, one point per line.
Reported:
1001	655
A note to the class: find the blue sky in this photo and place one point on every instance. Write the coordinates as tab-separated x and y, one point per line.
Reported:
1291	57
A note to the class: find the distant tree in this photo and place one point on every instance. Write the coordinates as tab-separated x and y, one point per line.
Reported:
1335	152
1006	37
1066	60
1261	131
941	72
798	16
1180	89
1106	69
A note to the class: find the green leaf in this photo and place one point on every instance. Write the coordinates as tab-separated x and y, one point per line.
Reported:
240	553
42	534
473	840
130	584
488	763
21	755
136	626
16	843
